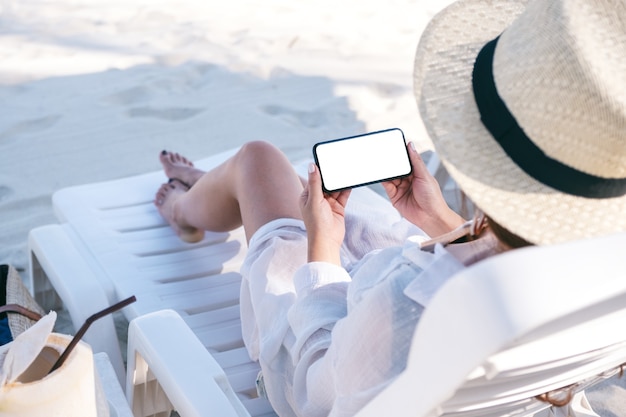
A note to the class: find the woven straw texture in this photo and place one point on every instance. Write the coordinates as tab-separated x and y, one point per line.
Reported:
17	293
560	69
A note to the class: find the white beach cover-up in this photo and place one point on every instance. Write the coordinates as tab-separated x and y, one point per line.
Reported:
329	338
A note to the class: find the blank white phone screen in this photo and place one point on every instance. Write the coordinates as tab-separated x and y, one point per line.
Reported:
360	160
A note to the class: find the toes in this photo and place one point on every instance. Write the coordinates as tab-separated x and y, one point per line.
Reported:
167	157
174	158
181	160
164	157
162	194
187	161
164	191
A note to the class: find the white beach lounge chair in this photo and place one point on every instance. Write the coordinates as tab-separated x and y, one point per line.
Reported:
499	334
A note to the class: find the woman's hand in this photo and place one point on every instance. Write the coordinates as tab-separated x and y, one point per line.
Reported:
323	216
418	198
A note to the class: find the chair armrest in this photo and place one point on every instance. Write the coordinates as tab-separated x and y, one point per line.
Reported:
54	257
163	347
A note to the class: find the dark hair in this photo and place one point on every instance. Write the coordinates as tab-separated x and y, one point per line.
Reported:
505	236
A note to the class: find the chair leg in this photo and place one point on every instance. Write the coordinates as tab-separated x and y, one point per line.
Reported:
148	396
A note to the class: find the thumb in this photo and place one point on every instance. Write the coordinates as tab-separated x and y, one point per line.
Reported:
419	167
312	184
315	182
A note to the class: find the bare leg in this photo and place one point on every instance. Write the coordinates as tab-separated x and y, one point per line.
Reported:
255	186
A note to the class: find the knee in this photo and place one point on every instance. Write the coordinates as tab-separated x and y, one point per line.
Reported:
258	152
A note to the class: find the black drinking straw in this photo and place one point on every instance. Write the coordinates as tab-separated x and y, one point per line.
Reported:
83	329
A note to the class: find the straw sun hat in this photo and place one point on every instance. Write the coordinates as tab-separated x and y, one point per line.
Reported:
548	159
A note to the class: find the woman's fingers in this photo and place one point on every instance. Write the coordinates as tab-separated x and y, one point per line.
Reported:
419	167
342	197
391	187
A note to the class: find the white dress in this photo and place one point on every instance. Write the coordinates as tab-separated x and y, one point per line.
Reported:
330	338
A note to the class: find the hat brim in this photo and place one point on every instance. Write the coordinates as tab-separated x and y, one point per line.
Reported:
442	82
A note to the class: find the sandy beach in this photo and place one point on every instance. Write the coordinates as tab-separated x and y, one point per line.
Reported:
93	91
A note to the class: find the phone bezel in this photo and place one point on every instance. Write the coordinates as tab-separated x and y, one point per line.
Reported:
315	157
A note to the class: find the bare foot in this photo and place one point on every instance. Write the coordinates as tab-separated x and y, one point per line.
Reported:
165	200
178	167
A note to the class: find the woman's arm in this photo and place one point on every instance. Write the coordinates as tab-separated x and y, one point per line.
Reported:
323	216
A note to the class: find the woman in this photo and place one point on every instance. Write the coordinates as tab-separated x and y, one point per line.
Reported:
526	105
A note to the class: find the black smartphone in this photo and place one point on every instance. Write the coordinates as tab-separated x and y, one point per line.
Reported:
362	160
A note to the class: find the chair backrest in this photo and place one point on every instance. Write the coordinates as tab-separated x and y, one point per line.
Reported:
513	327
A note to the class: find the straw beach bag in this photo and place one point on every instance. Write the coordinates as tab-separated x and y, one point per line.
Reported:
18	309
